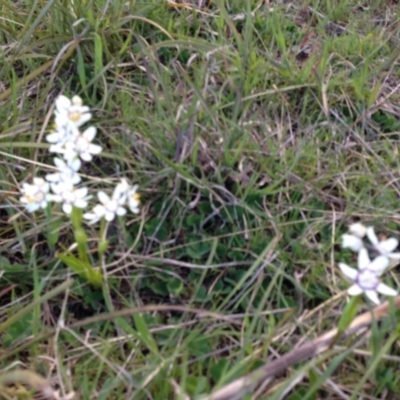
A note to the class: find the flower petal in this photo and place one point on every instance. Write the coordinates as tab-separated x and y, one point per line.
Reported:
56	188
120	191
39	182
349	272
388	245
81	192
67	208
373	296
386	290
372	236
394	256
86	156
84	118
363	259
62	103
95	149
53	137
32	207
89	133
379	265
99	210
80	203
354	290
358	229
91	217
54	197
103	197
59	162
134	207
57	148
77	100
53	177
121	211
75	164
352	242
109	215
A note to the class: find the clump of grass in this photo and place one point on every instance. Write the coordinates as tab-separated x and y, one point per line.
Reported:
257	133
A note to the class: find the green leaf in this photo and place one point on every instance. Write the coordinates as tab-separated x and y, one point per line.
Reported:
144	333
219	369
175	286
158	287
52	229
98	52
348	314
196	385
102	246
76	217
81	67
198	249
83	269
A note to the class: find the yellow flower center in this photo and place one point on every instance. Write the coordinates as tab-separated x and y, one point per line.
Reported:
36	198
75	116
136	197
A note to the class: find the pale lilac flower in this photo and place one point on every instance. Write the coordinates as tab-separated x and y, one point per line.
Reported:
67	171
69	196
378	265
366	278
82	146
35	196
383	247
73	110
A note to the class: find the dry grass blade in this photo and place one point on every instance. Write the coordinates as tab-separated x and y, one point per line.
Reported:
311	349
40	70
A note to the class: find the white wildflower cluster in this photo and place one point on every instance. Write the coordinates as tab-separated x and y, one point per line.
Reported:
367	277
73	147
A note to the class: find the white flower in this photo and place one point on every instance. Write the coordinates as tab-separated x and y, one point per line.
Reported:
358	229
65	132
378	265
366	278
133	199
67	171
66	193
383	247
81	146
96	215
126	194
352	242
73	110
35	196
121	191
109	207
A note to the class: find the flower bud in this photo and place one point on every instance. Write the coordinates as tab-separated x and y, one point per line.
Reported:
358	229
352	242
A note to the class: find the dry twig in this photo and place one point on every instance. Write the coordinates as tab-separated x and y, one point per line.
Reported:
308	350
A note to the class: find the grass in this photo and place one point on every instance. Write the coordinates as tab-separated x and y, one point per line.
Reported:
257	132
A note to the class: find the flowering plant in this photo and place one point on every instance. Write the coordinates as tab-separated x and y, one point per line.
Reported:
367	278
74	147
